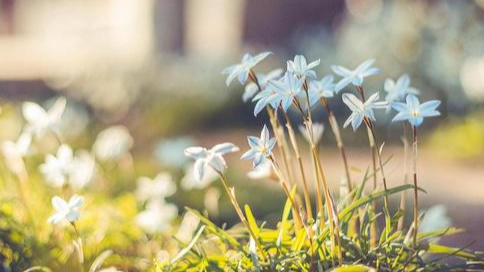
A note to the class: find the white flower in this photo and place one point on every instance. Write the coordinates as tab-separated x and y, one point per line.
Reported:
260	148
261	171
66	211
39	120
361	110
436	218
356	76
242	69
14	152
157	216
189	182
206	158
82	169
170	151
56	168
158	188
64	168
318	129
113	143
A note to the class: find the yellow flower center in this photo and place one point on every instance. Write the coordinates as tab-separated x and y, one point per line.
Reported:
415	113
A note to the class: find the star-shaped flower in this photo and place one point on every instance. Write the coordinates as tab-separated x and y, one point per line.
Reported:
415	112
396	91
251	88
356	76
260	148
66	211
39	120
361	110
157	216
285	90
319	89
301	69
241	70
213	158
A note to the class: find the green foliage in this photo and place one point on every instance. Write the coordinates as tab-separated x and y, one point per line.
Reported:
290	249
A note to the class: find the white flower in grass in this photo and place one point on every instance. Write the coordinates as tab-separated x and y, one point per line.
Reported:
66	211
56	169
14	152
113	143
318	130
189	182
39	120
436	218
206	158
158	188
414	112
157	217
82	169
262	171
396	91
318	89
361	110
260	148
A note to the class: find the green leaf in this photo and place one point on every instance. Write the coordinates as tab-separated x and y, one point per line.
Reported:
189	247
440	249
299	241
252	221
353	268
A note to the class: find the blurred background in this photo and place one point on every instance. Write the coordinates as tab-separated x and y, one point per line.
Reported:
154	66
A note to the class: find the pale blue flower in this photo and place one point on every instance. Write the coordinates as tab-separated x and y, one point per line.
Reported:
260	148
415	112
66	211
361	110
356	76
241	70
169	152
301	69
251	89
396	91
213	158
285	90
323	88
264	98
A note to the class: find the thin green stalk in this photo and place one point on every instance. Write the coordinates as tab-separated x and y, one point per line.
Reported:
239	212
333	123
415	188
80	251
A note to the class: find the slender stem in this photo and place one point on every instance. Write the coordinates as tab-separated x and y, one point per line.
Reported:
287	191
333	123
239	212
79	247
295	146
22	178
405	175
415	188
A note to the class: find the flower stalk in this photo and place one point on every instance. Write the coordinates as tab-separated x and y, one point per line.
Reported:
415	188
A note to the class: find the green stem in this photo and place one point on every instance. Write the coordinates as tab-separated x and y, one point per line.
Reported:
415	188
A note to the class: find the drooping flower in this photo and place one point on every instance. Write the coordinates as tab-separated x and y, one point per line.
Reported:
157	216
39	120
361	110
318	89
206	158
415	112
56	168
113	143
356	76
285	90
396	91
66	211
189	182
14	152
158	188
251	88
241	70
260	148
301	69
318	129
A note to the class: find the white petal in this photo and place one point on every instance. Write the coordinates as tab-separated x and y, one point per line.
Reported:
225	148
